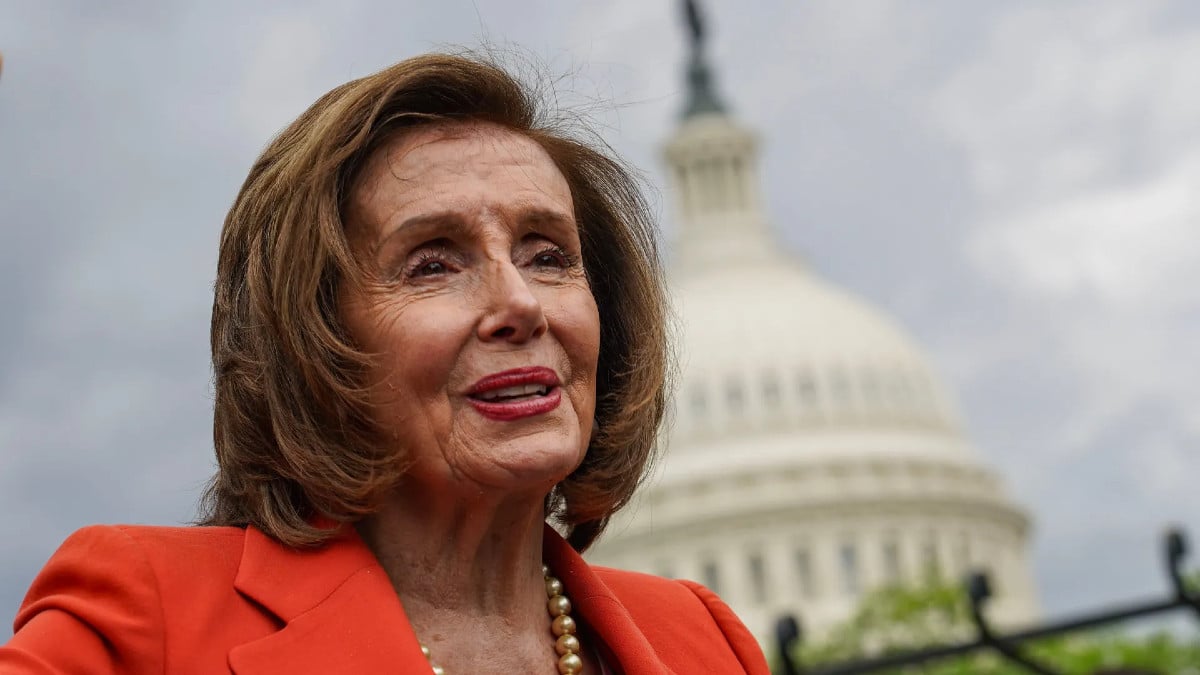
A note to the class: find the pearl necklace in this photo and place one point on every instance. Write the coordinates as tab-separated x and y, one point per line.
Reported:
563	626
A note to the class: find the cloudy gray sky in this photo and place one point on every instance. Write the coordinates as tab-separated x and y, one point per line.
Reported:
1018	183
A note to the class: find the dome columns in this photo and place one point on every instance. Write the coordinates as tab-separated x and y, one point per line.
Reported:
714	175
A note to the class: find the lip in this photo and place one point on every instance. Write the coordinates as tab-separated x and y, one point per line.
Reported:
514	410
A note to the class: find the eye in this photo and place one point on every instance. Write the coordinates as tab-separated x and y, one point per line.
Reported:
428	264
553	256
430	268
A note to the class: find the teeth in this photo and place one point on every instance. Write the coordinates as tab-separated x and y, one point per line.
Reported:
514	392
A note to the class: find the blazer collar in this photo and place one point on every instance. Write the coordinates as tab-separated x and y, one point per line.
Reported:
339	610
340	613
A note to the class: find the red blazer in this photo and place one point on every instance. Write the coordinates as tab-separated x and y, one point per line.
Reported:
203	600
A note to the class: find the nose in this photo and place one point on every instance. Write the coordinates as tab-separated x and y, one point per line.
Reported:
513	314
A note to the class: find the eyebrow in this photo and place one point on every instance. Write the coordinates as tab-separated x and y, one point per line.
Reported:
444	223
452	224
533	217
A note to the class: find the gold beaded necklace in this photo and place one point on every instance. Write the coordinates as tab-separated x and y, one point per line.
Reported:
562	625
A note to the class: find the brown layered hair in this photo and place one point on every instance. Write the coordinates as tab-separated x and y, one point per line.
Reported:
295	441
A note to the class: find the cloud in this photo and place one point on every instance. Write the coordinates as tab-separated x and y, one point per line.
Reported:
1072	96
1131	246
1079	129
284	71
1084	151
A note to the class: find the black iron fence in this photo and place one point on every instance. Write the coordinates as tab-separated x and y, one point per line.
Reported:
1008	646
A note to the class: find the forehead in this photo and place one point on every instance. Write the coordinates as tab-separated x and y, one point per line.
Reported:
459	166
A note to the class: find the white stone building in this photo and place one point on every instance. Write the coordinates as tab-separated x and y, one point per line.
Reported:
813	452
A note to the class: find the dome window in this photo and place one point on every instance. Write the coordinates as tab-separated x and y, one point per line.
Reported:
804	573
930	562
720	179
771	390
962	553
686	205
739	183
806	390
734	395
848	561
758	577
708	188
871	394
900	392
840	388
892	569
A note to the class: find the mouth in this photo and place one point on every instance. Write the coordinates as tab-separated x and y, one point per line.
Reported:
520	392
517	393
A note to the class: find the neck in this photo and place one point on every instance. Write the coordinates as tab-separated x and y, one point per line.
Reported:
473	554
468	572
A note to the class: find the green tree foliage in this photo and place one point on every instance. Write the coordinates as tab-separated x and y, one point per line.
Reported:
902	618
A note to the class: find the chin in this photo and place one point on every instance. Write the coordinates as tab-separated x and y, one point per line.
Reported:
538	467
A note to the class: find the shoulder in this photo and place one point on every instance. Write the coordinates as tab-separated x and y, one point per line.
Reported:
177	544
174	560
121	558
644	588
683	615
168	553
152	539
99	599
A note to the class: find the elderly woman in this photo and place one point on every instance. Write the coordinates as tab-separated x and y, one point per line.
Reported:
439	321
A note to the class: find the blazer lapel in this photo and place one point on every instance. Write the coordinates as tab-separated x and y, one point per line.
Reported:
339	610
596	606
341	616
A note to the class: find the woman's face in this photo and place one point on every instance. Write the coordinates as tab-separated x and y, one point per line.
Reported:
485	328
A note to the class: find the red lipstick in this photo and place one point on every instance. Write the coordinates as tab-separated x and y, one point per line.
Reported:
517	393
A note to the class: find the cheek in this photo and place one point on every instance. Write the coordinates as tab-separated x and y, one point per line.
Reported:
415	343
581	339
590	344
419	355
593	333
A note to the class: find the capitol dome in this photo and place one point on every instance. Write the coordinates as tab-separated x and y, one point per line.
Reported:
813	452
772	345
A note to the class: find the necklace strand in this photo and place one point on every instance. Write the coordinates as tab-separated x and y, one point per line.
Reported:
562	625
